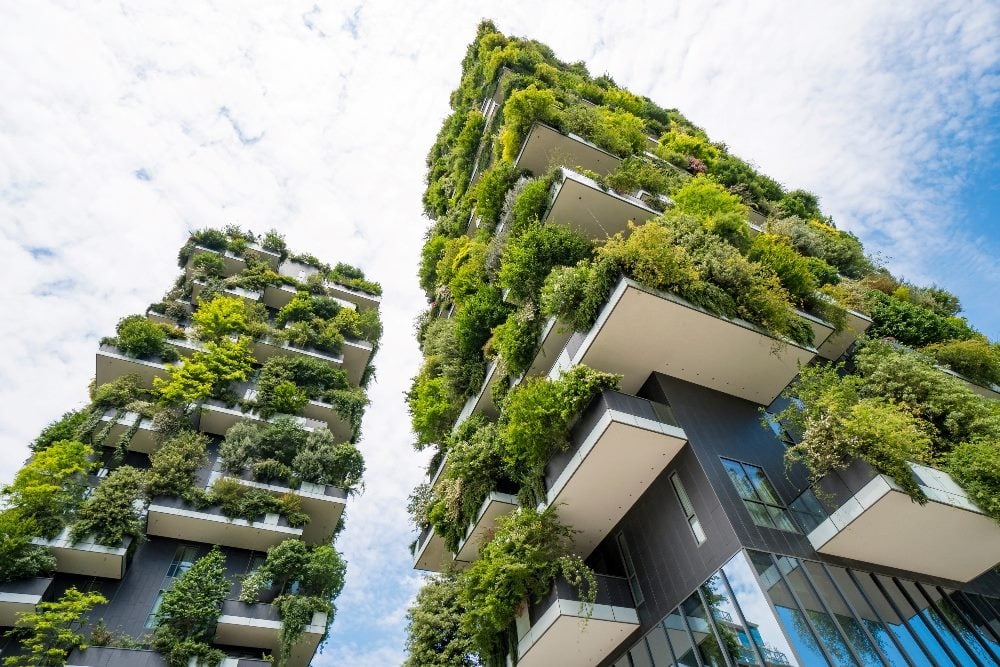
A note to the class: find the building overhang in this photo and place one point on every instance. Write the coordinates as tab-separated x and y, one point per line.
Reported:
216	418
836	343
482	527
144	440
356	354
265	348
259	626
86	557
431	554
328	415
20	597
546	147
641	330
250	296
175	519
991	391
112	364
579	203
947	537
620	446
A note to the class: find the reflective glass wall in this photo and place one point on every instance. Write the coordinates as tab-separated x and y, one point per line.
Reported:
765	610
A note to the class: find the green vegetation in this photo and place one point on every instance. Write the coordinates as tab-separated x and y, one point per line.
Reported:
49	633
435	636
186	619
109	514
47	491
206	373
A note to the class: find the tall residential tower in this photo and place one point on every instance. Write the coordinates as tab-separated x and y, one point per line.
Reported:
677	416
186	514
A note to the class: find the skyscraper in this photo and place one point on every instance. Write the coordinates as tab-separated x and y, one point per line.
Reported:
188	512
677	416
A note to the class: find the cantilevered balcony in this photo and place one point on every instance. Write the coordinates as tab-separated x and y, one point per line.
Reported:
327	415
259	626
830	343
187	346
496	505
231	262
323	503
641	330
579	203
359	298
112	363
482	401
558	631
215	417
876	522
983	389
430	553
143	439
619	446
356	353
113	656
20	597
546	147
265	348
180	520
278	296
87	557
250	296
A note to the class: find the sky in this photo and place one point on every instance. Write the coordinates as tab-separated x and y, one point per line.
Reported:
125	125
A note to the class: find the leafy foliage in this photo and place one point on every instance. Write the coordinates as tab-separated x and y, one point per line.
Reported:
324	461
109	514
224	316
975	358
47	491
67	427
50	632
174	464
186	619
19	558
206	373
435	636
140	337
912	324
532	254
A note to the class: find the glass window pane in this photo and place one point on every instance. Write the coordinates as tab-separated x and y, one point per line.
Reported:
825	626
759	514
656	640
727	620
973	615
934	621
699	533
740	480
852	630
763	626
974	641
682	496
781	520
792	620
640	655
151	618
679	639
915	622
868	617
808	511
762	485
701	629
988	608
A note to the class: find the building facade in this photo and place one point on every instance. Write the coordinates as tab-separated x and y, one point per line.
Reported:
223	420
754	489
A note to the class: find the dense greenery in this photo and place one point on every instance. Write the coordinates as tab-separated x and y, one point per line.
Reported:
19	558
110	513
435	636
186	619
47	491
895	408
49	633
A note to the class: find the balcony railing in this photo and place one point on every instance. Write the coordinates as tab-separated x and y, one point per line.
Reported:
618	447
871	520
557	630
20	597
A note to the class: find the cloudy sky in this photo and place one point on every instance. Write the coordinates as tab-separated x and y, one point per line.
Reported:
124	125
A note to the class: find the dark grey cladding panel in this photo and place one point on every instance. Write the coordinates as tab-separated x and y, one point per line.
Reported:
106	656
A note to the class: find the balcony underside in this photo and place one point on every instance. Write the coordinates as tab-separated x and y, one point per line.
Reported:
837	342
360	300
86	558
20	597
569	639
546	147
238	292
356	354
495	506
553	340
482	402
328	415
278	296
641	330
259	626
432	555
112	364
612	467
179	522
582	205
947	537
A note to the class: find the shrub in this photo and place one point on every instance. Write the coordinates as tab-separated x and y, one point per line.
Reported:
433	407
434	633
520	111
528	552
323	461
208	265
281	439
475	320
516	339
281	397
491	191
462	267
109	514
975	358
19	558
841	250
800	203
240	446
139	337
275	242
537	416
49	488
362	325
637	172
189	611
119	392
269	469
530	204
793	270
705	199
206	373
430	255
66	427
49	633
173	466
975	465
913	325
222	317
531	255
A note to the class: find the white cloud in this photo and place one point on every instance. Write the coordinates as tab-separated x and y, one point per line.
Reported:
125	125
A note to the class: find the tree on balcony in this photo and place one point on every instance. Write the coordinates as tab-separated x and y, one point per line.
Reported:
50	632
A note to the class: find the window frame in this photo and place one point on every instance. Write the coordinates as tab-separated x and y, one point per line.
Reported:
687	507
770	509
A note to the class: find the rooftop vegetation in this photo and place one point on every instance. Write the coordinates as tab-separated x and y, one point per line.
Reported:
727	238
269	363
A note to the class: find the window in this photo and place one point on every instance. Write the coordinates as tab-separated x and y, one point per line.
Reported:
779	429
692	519
633	579
759	496
183	560
151	618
